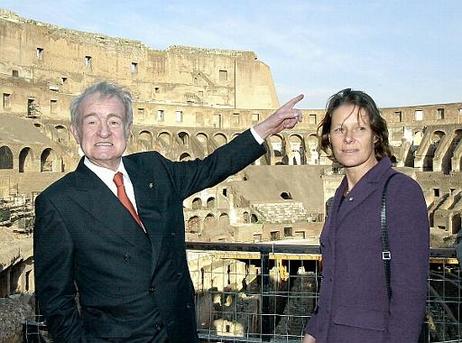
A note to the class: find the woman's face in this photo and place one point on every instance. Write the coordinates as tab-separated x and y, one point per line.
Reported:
352	139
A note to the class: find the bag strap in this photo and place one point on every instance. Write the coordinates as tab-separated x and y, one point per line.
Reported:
386	253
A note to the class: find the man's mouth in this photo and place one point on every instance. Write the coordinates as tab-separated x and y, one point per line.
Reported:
103	144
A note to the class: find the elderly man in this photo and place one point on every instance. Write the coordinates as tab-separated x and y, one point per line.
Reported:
112	231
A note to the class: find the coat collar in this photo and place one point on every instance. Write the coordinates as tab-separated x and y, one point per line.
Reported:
365	187
94	197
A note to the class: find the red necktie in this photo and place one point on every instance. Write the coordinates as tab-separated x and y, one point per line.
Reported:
122	195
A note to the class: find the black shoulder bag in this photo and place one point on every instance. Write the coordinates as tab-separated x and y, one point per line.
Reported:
386	253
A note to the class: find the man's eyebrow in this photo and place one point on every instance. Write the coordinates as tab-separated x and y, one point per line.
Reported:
108	116
114	115
89	115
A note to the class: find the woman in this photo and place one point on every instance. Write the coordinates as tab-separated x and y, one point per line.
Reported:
353	304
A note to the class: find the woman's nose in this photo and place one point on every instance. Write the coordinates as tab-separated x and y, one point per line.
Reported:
348	137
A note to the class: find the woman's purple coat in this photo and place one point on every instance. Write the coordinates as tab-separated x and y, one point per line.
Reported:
353	303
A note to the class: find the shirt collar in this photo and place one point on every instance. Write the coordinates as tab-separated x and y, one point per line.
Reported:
105	174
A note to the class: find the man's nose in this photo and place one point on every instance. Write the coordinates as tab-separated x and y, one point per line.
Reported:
104	130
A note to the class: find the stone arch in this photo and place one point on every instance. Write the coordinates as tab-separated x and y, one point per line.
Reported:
209	222
193	225
277	151
296	154
145	140
220	139
435	139
196	203
49	161
410	156
446	163
62	134
312	143
6	158
418	136
277	145
164	138
184	157
26	158
211	203
223	220
203	139
184	137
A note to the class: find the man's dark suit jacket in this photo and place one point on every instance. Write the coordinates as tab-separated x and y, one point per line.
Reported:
128	282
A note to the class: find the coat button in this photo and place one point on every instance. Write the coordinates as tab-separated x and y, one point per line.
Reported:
188	305
152	289
173	234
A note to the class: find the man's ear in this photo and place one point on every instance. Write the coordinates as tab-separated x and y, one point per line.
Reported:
129	130
75	133
376	139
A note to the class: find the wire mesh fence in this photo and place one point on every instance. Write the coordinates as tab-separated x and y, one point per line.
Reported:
267	292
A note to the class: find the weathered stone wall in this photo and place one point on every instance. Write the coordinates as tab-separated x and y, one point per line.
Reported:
13	314
64	62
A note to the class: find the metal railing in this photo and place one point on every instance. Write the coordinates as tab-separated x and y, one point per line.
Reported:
266	292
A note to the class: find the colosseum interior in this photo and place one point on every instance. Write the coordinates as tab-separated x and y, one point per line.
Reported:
188	102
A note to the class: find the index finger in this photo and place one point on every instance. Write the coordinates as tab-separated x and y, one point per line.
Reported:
291	103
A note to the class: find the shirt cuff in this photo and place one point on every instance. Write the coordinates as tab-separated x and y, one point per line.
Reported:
256	136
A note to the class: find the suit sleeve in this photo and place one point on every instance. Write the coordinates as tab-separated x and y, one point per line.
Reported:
54	281
409	245
193	176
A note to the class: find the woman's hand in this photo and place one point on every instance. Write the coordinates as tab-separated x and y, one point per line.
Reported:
309	339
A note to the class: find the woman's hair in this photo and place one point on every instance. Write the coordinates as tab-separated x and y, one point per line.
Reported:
363	102
105	90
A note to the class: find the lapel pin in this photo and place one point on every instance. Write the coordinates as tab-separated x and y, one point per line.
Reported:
151	185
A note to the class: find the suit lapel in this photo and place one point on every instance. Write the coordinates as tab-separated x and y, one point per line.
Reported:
147	202
94	197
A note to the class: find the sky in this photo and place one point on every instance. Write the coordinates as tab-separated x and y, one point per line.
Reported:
401	52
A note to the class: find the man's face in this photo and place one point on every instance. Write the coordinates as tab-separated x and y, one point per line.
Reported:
102	134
